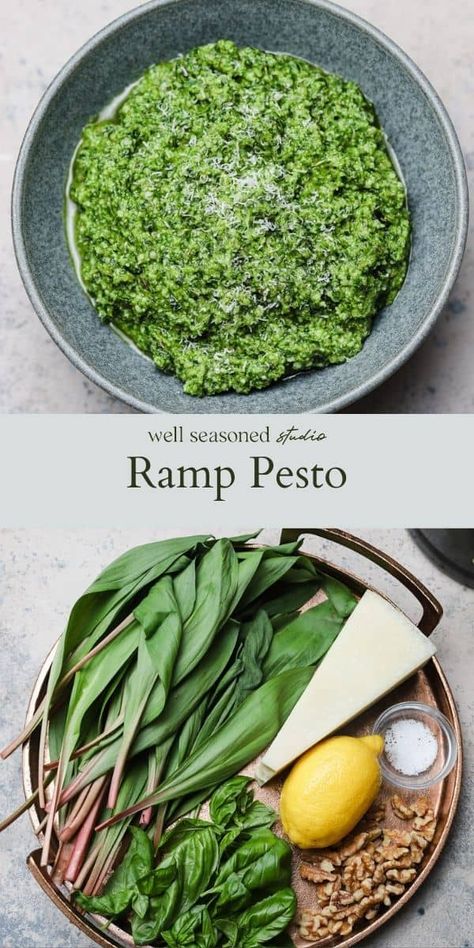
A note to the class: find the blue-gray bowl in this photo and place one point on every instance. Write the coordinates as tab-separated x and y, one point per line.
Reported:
413	117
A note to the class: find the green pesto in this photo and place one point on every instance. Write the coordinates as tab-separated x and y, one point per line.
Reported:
240	218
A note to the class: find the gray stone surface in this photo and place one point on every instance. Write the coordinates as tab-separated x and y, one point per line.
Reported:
43	571
39	35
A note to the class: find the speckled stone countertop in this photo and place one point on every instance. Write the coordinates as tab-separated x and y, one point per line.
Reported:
43	572
38	36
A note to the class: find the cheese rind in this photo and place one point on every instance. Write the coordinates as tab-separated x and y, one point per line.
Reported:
377	649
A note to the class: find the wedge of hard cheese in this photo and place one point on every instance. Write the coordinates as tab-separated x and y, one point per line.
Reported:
375	651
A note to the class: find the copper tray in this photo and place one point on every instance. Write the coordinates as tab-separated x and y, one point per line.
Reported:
428	685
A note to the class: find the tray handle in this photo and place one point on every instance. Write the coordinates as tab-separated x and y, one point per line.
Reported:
432	610
42	877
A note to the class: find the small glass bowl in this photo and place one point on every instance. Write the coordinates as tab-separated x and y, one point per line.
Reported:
439	726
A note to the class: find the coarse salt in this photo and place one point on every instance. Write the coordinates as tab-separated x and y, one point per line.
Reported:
410	746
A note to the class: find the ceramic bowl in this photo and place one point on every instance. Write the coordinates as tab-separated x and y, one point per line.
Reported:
417	127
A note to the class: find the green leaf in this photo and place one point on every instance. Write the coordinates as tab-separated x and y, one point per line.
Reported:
121	888
96	609
186	738
242	677
270	571
339	595
112	699
184	697
267	919
160	915
304	640
179	834
137	691
182	702
258	815
216	583
228	841
257	635
218	712
232	806
198	859
285	549
244	538
57	723
185	590
92	680
237	742
291	599
248	564
94	613
261	863
231	798
194	929
195	856
230	928
159	617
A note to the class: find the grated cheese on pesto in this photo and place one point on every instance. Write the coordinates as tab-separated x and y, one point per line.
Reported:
239	218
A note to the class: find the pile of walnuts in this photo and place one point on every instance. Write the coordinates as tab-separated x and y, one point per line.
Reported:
367	871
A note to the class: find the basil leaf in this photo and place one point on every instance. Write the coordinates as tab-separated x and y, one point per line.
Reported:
121	888
261	863
232	806
232	797
258	815
195	857
180	833
160	915
194	929
230	928
267	919
228	840
198	859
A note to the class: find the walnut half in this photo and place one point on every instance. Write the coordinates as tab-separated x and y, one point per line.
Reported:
369	869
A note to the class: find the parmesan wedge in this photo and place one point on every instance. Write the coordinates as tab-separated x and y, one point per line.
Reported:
376	650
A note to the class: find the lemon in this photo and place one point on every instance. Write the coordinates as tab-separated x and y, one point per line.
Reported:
329	789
